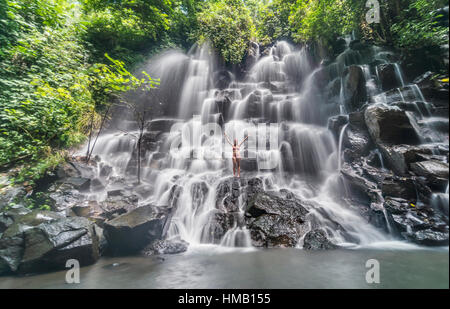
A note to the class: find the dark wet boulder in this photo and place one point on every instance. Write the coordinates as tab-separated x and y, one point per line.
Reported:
358	45
82	210
118	202
274	220
428	237
11	195
317	240
199	193
355	88
78	183
67	170
49	246
357	144
388	75
409	188
419	108
435	172
12	214
419	223
218	225
228	192
131	232
336	123
432	89
252	56
399	157
222	79
150	140
166	247
105	170
11	251
223	103
274	231
363	181
42	241
62	197
389	125
431	169
357	121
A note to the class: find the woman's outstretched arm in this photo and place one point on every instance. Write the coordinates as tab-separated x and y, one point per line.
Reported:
243	141
228	140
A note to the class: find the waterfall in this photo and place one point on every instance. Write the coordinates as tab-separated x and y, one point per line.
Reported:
341	141
186	165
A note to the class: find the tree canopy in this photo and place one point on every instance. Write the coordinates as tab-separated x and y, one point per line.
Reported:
52	51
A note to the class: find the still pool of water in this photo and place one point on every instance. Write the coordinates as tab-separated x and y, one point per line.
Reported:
217	267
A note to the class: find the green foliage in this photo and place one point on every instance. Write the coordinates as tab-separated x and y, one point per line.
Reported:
126	29
272	21
55	78
227	25
43	98
49	90
418	26
325	20
38	169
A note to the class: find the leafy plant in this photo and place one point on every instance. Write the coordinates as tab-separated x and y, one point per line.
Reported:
228	26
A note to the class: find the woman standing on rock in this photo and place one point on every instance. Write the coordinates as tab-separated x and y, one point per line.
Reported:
236	154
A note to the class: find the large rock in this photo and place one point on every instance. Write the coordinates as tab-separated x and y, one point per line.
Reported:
417	223
50	245
356	143
433	90
64	196
388	75
223	102
409	188
317	240
435	172
389	125
400	157
79	183
431	169
166	247
275	221
218	225
336	123
428	237
118	202
355	88
67	170
222	79
9	216
11	195
131	232
42	241
252	55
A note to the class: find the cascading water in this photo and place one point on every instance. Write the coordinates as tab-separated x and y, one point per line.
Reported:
283	88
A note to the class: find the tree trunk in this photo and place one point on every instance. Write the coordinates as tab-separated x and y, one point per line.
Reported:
139	156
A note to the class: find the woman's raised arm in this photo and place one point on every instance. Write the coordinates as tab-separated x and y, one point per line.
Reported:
228	140
243	141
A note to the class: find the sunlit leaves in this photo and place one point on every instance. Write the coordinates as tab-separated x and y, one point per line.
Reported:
227	25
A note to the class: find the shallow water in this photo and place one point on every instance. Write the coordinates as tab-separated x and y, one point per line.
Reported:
217	267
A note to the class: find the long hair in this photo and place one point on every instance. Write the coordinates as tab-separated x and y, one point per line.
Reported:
235	142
